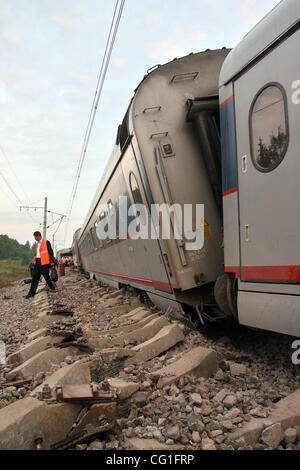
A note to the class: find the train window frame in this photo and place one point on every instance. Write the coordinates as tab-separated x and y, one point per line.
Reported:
144	220
286	115
99	242
92	239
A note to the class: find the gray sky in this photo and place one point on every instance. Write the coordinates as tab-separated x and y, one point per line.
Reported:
51	51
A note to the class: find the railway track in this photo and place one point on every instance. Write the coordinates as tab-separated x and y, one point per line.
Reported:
91	353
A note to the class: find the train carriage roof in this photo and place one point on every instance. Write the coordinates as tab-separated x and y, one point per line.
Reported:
272	27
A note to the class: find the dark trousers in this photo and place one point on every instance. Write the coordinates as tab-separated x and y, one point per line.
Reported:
39	271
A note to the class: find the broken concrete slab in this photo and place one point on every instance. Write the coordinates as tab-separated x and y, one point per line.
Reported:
95	413
123	389
97	344
286	412
168	337
121	309
137	335
273	435
26	420
199	362
41	362
38	334
33	348
112	295
90	333
149	444
142	334
111	302
112	354
134	312
73	374
43	320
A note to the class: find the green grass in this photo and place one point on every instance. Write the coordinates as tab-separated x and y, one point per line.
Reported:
12	270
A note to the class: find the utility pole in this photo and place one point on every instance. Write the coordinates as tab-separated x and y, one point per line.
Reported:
46	212
45	217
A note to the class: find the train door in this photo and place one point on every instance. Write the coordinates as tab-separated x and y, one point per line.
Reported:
143	255
268	141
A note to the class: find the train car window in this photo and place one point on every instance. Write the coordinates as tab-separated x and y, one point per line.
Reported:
136	195
97	239
269	128
102	216
110	207
90	243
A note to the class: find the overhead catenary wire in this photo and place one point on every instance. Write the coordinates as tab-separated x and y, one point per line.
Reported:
2	151
10	187
93	105
9	197
117	15
12	190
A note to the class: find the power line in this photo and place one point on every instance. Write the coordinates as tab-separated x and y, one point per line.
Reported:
12	171
13	192
10	198
93	104
10	186
100	83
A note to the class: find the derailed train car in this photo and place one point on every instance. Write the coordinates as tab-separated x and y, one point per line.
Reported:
158	159
168	151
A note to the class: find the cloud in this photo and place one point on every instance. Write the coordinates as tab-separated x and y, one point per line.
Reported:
67	19
163	51
79	76
250	12
151	18
166	50
3	92
10	36
118	62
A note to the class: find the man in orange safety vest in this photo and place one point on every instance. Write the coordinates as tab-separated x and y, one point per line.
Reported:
44	258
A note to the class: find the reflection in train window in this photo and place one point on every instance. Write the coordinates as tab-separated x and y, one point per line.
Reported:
137	197
92	240
94	237
97	239
269	128
136	193
110	207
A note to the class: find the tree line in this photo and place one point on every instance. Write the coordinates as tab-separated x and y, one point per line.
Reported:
12	250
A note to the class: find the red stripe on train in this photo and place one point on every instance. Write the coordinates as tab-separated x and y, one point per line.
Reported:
230	191
266	273
147	282
226	102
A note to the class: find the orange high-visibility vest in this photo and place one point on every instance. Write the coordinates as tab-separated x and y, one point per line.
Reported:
45	257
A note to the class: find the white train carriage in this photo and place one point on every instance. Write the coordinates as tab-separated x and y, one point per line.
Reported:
76	251
260	114
168	151
157	159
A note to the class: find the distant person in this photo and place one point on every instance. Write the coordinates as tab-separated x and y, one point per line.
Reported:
44	258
